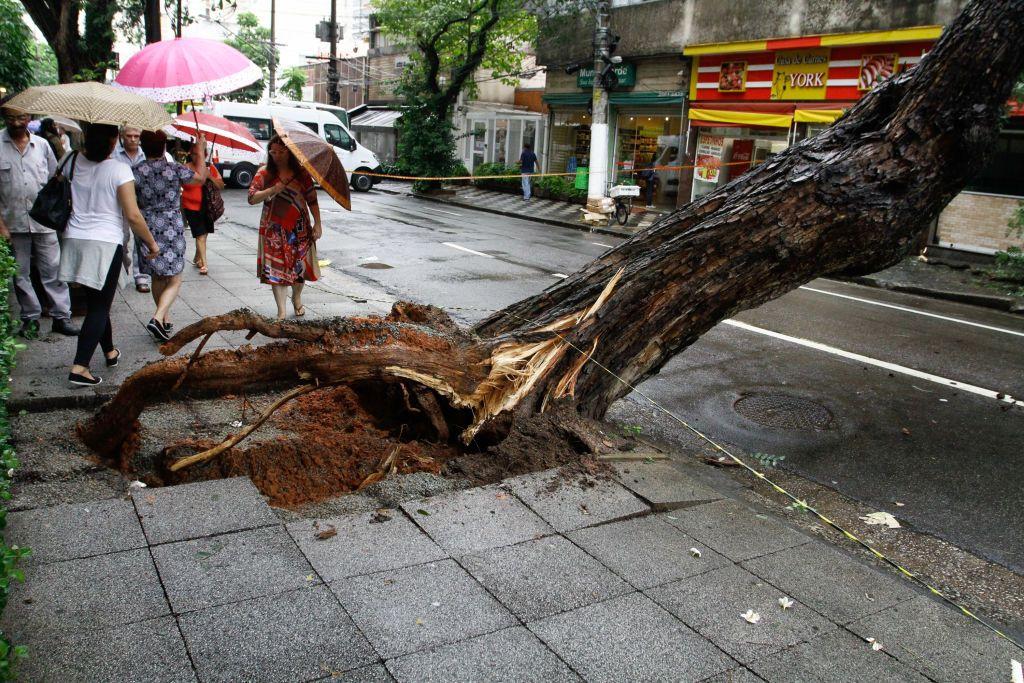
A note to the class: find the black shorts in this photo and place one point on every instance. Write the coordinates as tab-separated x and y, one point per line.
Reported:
198	222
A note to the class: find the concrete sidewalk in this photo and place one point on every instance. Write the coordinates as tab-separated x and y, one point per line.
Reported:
540	578
40	379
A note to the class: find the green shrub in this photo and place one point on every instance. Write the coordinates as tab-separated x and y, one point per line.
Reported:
1010	265
9	556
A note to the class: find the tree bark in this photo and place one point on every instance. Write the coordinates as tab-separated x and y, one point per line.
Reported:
151	20
851	199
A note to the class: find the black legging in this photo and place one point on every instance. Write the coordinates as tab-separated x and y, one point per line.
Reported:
96	326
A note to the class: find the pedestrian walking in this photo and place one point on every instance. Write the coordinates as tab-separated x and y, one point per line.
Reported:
129	151
103	198
193	206
286	255
527	166
649	176
48	131
158	184
26	163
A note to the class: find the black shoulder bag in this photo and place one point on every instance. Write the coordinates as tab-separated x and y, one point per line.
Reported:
52	207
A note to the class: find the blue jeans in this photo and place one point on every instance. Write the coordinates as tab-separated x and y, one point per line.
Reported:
526	185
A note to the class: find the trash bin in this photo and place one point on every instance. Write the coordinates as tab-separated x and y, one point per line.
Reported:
582	177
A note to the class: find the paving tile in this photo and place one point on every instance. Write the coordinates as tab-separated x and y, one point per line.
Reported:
142	652
838	657
939	642
375	673
734	530
712	604
294	636
415	608
568	504
66	532
364	546
663	486
629	638
214	571
539	578
177	513
105	590
647	551
830	581
737	675
513	655
476	519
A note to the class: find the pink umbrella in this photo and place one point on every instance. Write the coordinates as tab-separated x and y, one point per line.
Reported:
218	131
186	69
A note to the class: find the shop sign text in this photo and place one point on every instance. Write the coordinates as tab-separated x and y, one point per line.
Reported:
625	72
800	74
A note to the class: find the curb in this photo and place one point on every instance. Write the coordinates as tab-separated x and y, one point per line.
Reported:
512	214
999	303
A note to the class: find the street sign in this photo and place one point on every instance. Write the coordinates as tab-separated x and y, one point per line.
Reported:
625	72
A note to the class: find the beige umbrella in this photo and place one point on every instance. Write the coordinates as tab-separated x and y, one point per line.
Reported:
66	123
93	103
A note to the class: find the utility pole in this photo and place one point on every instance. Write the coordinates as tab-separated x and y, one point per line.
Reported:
151	19
177	25
273	49
599	116
332	68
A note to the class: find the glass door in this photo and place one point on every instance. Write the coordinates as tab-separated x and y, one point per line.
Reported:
479	142
501	141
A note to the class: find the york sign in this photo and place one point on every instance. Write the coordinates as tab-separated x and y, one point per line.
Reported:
800	74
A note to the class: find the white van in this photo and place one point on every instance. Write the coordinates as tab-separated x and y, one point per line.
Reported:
238	168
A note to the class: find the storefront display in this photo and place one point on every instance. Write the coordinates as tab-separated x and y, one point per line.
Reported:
570	141
649	149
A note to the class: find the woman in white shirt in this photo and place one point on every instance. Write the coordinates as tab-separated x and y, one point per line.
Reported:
102	198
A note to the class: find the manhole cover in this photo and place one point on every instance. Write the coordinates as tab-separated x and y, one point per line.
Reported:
375	265
784	412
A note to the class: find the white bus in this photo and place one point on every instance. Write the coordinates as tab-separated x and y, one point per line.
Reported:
238	168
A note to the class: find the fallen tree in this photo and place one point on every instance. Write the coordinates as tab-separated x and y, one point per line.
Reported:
850	200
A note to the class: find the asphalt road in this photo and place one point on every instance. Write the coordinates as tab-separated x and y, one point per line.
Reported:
883	396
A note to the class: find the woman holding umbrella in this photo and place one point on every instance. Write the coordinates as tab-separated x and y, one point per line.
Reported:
287	251
159	182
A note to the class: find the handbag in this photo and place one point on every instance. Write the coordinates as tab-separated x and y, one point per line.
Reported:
213	201
52	207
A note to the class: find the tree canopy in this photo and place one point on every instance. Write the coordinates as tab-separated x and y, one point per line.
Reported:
253	41
293	83
18	54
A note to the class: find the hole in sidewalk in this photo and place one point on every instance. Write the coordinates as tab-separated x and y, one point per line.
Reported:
784	412
375	265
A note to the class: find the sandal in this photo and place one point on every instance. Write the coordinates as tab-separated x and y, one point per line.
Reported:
300	311
203	270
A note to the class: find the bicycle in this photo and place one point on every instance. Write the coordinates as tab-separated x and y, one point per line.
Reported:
622	195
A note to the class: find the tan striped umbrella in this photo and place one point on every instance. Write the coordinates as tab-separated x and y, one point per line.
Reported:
93	103
316	156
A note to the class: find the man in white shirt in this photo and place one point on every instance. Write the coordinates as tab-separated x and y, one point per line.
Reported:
129	151
26	163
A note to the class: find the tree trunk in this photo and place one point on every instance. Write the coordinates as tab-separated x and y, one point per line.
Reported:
151	19
851	199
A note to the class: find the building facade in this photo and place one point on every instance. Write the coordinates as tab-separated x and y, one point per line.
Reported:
709	89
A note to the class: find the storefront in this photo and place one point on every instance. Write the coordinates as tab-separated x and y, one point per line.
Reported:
646	125
753	99
497	135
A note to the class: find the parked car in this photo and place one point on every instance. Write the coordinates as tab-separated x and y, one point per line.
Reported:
238	168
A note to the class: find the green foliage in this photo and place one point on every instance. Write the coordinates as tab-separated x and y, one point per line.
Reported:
9	556
18	54
1010	265
45	71
253	41
497	169
1016	224
293	83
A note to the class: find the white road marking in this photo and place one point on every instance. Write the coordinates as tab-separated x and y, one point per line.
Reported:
970	388
468	251
427	208
606	246
913	310
561	275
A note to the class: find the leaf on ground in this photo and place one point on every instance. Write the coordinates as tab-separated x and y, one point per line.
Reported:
881	519
694	552
423	512
905	431
329	532
785	602
751	616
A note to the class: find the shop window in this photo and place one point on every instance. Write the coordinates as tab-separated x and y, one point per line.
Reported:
570	141
650	150
501	141
1004	172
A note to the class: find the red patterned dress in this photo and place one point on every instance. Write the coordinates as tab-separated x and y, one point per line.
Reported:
287	252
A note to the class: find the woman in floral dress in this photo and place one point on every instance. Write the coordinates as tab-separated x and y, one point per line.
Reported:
287	247
158	187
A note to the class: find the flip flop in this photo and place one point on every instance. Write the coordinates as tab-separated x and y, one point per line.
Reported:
203	270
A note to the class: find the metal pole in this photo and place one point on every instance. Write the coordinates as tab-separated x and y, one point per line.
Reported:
596	186
273	48
177	25
332	68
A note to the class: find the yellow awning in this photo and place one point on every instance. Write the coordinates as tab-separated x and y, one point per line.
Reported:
747	118
817	115
899	35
